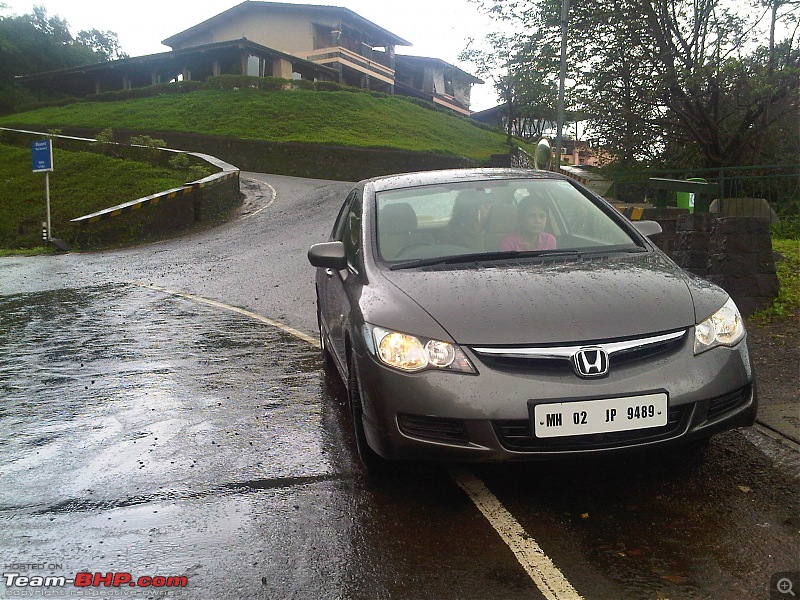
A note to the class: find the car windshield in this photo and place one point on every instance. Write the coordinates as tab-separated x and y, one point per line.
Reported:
490	220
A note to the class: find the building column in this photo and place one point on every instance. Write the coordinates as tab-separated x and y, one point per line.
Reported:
282	68
391	56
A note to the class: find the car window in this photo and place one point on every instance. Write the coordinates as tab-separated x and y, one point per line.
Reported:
490	216
341	218
351	231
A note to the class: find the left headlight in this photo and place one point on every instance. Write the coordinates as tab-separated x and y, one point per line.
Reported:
724	328
411	354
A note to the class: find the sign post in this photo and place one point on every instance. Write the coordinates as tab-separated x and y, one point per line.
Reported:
42	158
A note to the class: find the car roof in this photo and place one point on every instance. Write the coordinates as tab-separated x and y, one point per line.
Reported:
404	180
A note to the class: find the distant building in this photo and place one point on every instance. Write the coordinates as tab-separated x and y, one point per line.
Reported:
434	80
575	152
300	41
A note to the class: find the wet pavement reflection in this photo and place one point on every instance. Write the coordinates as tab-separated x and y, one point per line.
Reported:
143	433
119	404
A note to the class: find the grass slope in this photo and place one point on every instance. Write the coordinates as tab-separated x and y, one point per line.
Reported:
82	183
339	118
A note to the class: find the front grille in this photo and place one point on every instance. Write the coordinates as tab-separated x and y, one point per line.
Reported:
435	429
728	402
518	435
558	359
623	358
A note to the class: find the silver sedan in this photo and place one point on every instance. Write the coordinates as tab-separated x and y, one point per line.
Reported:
496	314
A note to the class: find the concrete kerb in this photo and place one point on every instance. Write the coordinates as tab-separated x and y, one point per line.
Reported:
228	171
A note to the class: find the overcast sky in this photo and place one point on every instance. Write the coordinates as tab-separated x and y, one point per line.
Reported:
437	28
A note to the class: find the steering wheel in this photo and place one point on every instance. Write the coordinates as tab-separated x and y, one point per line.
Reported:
411	245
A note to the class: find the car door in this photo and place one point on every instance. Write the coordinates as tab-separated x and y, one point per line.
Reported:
337	305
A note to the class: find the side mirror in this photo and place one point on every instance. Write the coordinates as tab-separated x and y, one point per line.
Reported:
328	255
543	155
647	228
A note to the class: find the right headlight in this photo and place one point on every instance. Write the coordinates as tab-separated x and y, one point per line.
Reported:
410	353
724	328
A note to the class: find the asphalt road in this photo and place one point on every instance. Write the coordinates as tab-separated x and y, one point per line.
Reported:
160	418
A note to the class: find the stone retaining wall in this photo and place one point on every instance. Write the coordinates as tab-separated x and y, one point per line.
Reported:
733	252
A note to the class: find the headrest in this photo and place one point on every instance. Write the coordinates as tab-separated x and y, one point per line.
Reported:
502	218
395	219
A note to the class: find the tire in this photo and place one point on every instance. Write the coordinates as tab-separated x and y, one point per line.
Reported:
373	462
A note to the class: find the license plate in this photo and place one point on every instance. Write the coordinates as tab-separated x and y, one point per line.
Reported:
599	416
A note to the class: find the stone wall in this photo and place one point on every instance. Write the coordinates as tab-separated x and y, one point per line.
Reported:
733	252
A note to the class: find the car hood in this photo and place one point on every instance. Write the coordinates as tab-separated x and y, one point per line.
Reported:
553	302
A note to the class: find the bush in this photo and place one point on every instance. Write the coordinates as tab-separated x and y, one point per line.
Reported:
183	162
241	82
303	84
150	91
327	86
152	145
788	228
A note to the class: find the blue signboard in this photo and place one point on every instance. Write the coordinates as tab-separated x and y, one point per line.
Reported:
42	154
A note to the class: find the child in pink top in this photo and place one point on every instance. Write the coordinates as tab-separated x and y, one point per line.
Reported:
531	234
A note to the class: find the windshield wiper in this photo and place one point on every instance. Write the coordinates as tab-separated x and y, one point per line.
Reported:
479	257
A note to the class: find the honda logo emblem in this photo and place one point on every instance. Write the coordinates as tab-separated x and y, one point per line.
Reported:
590	362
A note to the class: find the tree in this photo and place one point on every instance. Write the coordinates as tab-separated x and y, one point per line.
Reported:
54	27
37	42
105	44
683	75
511	63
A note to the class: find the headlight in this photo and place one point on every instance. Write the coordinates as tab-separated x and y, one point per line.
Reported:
724	328
410	353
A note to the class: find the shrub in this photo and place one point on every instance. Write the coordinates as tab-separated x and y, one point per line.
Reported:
788	228
327	86
241	82
303	84
152	145
150	91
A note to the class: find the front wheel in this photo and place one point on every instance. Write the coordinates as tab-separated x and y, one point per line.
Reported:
372	461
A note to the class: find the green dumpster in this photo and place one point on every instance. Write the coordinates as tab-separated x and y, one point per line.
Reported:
686	199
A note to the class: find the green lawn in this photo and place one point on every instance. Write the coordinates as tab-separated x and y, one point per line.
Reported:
82	183
338	118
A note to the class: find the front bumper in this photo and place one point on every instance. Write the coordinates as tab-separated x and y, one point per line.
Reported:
485	417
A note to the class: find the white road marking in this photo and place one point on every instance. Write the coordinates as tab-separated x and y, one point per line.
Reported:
547	577
277	324
267	205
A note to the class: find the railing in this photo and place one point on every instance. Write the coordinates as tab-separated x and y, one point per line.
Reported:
520	158
342	55
778	185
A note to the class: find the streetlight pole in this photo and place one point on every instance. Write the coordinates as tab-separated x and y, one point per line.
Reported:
561	77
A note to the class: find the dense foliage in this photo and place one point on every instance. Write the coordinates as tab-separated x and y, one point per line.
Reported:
37	42
666	81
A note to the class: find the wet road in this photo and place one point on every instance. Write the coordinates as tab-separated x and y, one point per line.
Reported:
149	433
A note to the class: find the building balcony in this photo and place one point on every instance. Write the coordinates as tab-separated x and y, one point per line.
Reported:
339	55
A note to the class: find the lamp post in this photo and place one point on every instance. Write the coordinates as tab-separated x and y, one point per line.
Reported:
561	77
